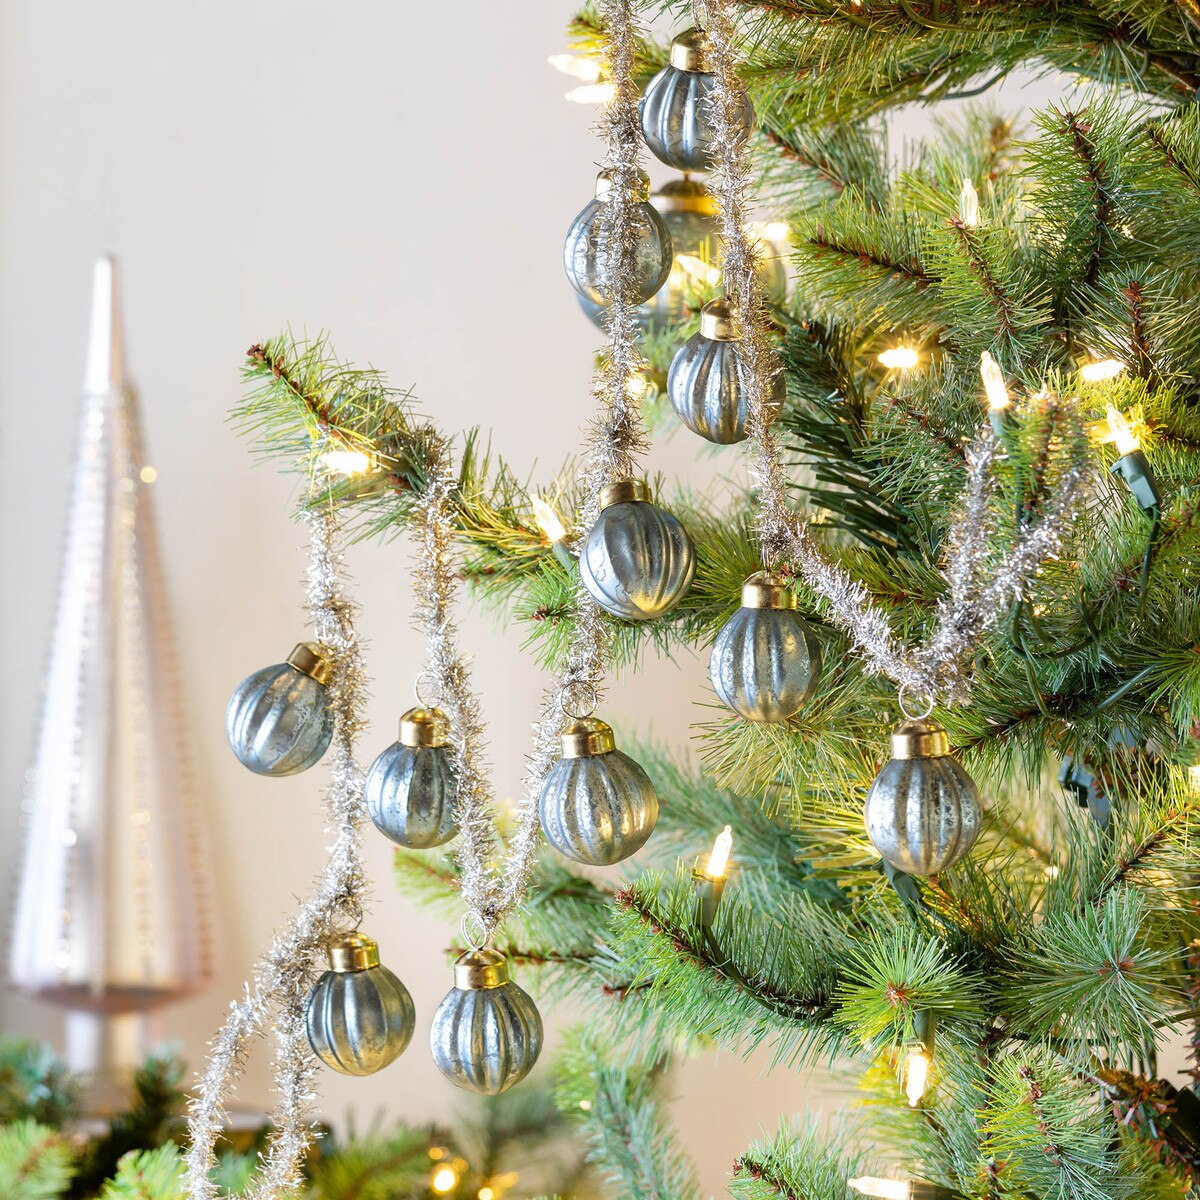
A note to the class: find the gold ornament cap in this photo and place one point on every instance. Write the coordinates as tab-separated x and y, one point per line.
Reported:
607	180
689	51
624	491
765	589
587	737
310	660
480	970
719	323
920	737
685	195
352	952
424	727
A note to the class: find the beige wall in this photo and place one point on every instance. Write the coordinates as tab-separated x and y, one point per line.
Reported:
393	173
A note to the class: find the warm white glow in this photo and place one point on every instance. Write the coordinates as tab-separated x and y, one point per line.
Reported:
1052	871
916	1076
697	268
1098	372
776	231
445	1179
637	383
585	1105
1120	432
485	1193
968	203
885	1189
346	462
718	860
147	474
1194	772
592	93
575	65
993	383
900	358
548	520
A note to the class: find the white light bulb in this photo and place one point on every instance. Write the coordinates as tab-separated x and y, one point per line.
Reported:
548	520
718	860
346	462
575	65
1098	372
993	383
1120	432
592	93
884	1189
916	1075
968	204
900	358
445	1179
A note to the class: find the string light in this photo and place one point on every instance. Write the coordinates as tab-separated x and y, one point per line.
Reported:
445	1179
147	474
592	93
968	204
577	66
884	1189
1121	432
993	383
1098	372
916	1075
775	231
1194	772
548	520
718	860
346	462
486	1193
697	268
899	358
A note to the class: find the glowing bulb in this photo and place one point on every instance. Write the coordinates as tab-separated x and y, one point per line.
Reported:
900	358
885	1189
445	1179
1098	372
593	93
575	65
718	860
776	231
697	268
346	462
548	521
916	1075
993	383
1120	432
486	1193
585	1105
1194	772
1052	871
147	474
968	204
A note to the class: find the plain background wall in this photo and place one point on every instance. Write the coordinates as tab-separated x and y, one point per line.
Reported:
394	173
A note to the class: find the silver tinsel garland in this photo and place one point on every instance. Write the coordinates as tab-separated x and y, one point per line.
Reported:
286	973
979	589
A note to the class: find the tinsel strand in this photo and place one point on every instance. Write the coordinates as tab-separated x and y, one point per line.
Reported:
286	973
941	668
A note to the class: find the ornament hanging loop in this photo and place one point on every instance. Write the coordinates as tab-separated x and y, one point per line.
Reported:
474	931
579	700
423	699
906	691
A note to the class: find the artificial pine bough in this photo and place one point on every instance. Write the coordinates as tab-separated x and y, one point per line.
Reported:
1038	976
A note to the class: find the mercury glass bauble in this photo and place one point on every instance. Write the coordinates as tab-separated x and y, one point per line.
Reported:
766	661
707	380
676	122
359	1016
487	1033
597	804
582	257
410	791
637	561
278	720
923	812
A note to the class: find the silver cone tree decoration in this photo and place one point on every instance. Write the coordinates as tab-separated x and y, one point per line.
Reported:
111	919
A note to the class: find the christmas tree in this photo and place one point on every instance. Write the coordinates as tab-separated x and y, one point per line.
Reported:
1005	973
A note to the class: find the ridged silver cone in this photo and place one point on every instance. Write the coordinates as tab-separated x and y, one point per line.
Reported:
765	663
706	385
675	118
111	913
582	257
598	809
278	721
638	561
923	814
358	1022
410	795
485	1040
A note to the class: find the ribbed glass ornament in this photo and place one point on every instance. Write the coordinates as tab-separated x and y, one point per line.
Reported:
597	808
707	381
637	561
923	812
278	721
765	663
359	1020
487	1033
582	249
410	790
674	108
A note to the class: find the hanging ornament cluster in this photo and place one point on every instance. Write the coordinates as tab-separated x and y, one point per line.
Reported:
278	720
410	789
